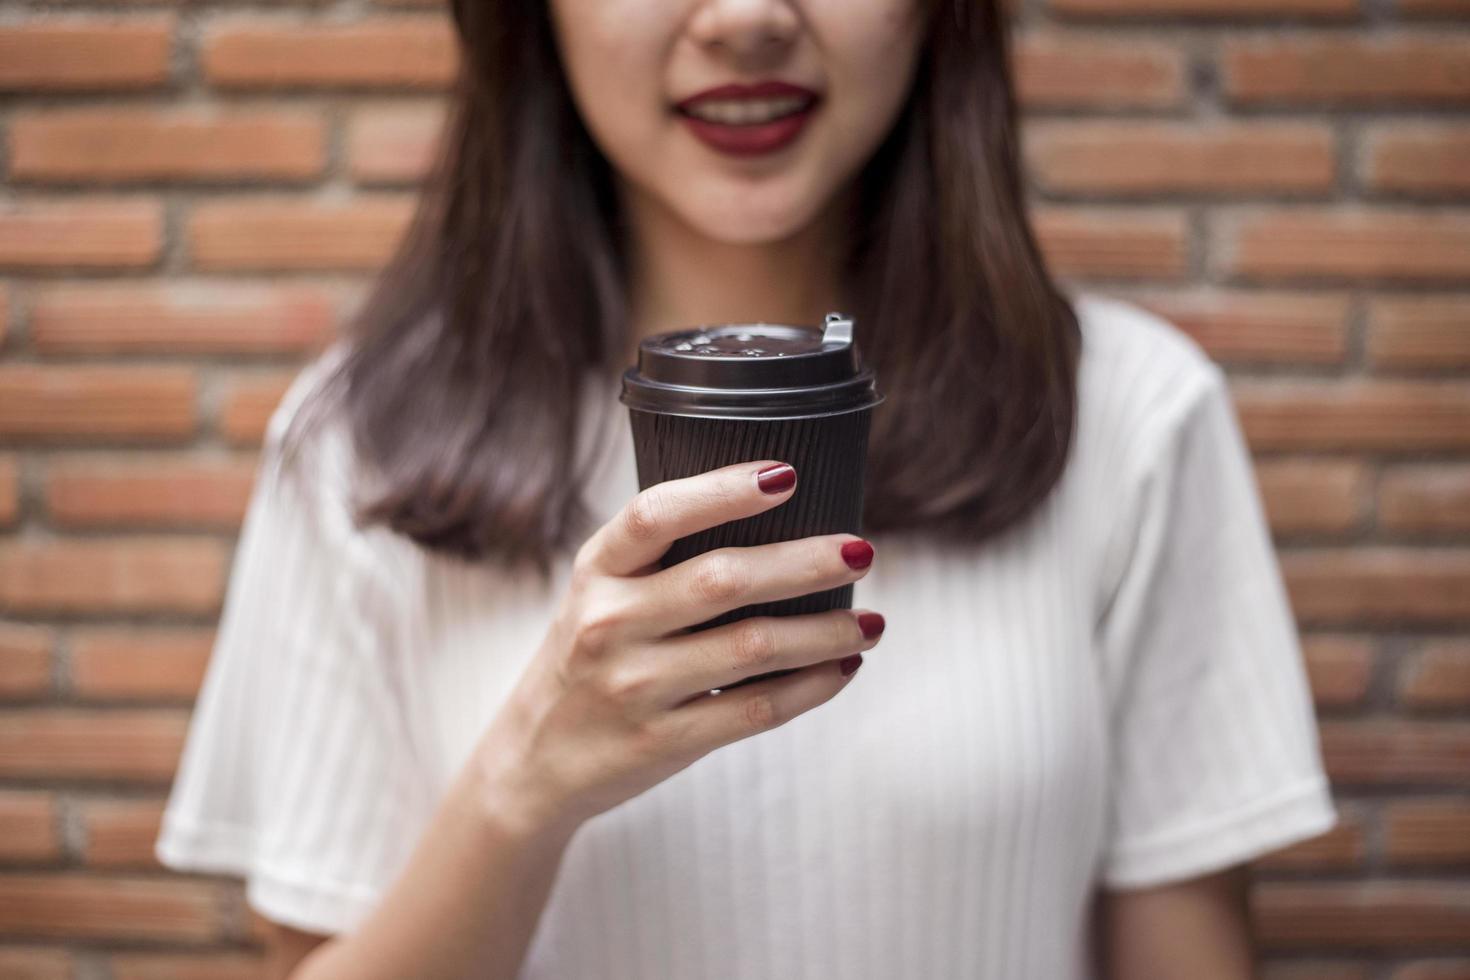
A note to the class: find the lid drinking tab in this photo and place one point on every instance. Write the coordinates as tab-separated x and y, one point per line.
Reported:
838	329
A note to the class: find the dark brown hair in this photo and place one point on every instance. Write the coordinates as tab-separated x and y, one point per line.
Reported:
461	381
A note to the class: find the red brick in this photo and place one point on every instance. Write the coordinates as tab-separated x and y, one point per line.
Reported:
1425	498
393	143
1055	71
154	664
89	234
297	234
1418	158
93	907
1308	496
29	829
1147	158
150	492
25	661
35	963
1350	245
1350	915
1347	70
1340	669
4	313
1236	326
65	743
1429	833
1386	416
120	575
9	490
1340	848
1439	677
1420	332
1434	8
1206	8
1433	970
120	833
91	54
97	403
1387	753
127	144
1109	243
248	406
184	317
410	51
1379	585
187	966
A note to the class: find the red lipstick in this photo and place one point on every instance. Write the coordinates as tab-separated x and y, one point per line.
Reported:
755	138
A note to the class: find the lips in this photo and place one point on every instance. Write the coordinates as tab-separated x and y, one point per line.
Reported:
749	138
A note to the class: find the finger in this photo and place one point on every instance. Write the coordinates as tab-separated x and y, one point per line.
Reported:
703	587
659	515
695	663
708	722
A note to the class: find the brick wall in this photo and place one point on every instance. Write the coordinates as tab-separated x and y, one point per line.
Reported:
194	195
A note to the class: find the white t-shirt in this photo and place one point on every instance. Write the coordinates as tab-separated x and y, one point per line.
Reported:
1109	694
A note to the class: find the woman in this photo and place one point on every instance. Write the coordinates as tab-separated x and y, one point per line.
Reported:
454	725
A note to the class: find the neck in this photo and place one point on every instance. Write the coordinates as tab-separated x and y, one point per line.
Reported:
680	278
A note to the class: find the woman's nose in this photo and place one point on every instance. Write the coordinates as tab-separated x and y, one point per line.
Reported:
747	28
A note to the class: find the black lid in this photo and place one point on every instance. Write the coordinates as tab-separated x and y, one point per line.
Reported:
751	371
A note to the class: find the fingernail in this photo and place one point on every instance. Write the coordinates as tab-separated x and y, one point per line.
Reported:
775	479
850	664
857	554
871	624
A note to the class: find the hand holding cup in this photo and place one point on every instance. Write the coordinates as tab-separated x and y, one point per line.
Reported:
618	698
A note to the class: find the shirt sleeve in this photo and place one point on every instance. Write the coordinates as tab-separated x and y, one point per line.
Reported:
298	772
1215	754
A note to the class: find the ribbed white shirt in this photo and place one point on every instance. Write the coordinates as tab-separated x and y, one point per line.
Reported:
1110	694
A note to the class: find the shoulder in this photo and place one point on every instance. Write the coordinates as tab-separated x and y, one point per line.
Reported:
306	478
306	437
313	479
1129	349
1139	378
310	379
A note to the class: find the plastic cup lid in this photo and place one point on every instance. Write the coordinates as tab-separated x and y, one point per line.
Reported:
751	370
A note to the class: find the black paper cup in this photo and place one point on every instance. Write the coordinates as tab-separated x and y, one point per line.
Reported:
708	397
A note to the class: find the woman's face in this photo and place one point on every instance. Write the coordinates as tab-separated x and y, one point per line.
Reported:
760	166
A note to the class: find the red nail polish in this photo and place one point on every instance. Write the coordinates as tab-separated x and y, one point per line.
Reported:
857	554
849	665
775	479
871	624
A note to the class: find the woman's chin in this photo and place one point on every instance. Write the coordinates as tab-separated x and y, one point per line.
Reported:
749	226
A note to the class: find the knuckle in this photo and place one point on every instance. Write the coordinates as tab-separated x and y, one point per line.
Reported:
844	633
590	638
815	560
718	494
626	684
754	645
595	625
582	563
759	713
819	564
719	578
643	517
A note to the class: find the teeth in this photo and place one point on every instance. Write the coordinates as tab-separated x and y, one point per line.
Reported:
746	112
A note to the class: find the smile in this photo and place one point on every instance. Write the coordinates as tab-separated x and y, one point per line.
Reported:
746	112
748	120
